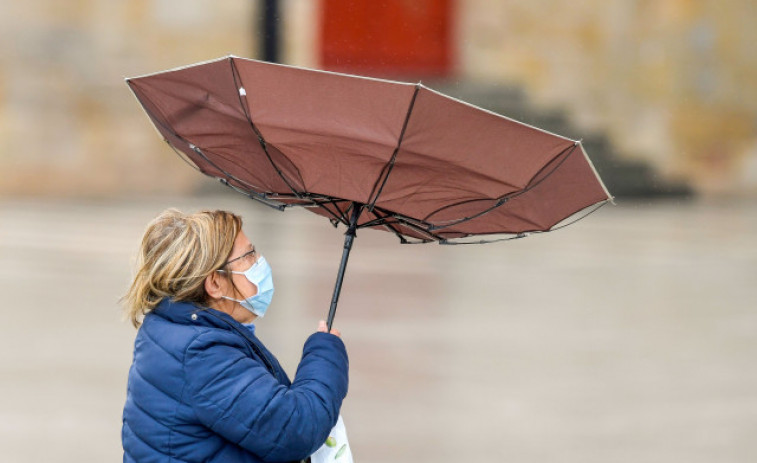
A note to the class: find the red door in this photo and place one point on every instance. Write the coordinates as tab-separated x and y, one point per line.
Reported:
401	38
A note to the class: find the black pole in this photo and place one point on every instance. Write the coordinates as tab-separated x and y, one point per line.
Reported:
349	236
270	20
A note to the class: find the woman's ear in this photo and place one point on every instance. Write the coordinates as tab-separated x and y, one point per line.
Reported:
215	285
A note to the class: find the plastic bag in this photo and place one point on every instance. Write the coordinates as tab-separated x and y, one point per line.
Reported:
336	449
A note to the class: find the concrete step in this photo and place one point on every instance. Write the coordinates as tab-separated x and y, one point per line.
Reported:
623	175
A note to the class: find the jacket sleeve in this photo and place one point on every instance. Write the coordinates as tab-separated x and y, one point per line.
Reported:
238	398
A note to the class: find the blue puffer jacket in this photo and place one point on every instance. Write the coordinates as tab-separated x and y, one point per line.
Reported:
203	388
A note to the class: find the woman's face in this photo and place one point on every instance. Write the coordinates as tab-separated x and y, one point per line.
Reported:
243	256
221	285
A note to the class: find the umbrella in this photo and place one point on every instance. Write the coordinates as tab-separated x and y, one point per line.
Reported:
370	153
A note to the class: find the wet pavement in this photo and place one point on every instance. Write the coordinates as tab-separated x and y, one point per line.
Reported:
628	337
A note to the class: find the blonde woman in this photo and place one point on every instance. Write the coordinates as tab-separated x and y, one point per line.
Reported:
202	387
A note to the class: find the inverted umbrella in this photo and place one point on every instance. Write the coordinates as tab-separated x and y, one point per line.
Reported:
369	153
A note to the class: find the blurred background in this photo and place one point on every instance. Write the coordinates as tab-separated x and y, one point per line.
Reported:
629	336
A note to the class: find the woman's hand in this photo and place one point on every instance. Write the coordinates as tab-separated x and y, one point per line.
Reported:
322	328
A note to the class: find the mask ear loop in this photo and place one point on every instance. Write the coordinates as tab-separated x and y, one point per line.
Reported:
230	278
237	293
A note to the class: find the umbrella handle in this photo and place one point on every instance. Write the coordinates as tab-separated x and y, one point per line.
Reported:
349	236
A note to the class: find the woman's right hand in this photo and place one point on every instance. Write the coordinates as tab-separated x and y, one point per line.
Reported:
323	328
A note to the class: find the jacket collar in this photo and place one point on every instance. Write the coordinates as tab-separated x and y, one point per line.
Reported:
188	313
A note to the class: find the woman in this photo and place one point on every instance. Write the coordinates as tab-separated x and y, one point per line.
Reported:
202	387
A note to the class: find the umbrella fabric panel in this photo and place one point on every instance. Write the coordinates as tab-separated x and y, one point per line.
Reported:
339	131
455	153
201	106
564	187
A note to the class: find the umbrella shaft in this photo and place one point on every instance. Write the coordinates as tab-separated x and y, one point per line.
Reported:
348	238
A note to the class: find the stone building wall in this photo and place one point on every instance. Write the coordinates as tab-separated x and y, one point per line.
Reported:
672	81
68	123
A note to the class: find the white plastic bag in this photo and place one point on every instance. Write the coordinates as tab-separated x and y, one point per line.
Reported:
336	449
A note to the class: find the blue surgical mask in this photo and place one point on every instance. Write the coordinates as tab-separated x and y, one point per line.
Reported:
259	275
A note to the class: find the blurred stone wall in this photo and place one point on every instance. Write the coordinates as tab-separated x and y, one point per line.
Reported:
68	123
672	81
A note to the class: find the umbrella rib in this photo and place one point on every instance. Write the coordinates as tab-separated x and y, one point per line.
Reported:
250	194
594	208
392	229
316	200
387	169
448	242
341	217
502	199
382	221
498	202
569	151
261	140
313	200
231	176
391	218
393	215
159	121
184	157
409	224
402	238
262	197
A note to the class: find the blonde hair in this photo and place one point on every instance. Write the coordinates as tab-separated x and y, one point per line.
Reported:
178	252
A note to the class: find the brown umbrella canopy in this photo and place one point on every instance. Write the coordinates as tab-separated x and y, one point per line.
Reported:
400	156
368	153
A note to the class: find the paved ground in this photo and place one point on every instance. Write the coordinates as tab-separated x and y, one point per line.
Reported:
629	337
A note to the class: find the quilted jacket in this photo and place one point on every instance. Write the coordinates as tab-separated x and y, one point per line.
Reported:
203	388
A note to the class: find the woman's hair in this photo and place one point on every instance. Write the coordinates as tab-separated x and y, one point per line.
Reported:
178	252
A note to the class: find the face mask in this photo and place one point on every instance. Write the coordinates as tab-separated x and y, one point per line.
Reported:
259	275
